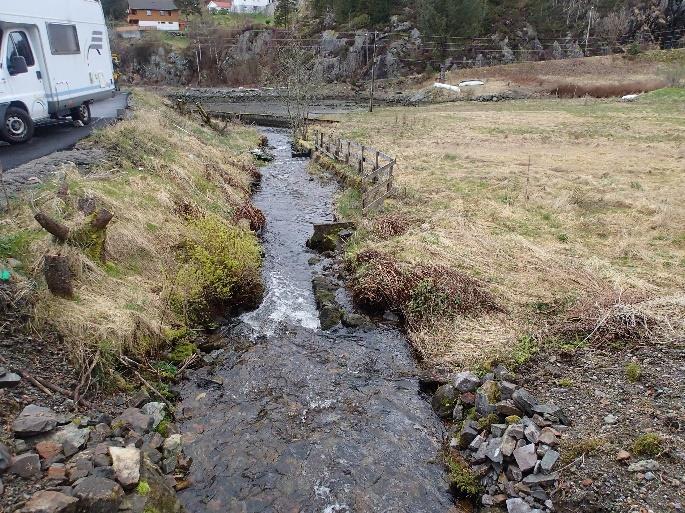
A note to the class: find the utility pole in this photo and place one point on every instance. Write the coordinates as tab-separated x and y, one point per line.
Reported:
373	71
587	36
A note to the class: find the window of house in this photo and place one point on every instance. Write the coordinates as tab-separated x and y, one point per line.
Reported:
63	39
163	13
18	46
149	12
133	11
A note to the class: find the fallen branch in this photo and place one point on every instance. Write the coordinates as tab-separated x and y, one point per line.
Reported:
60	231
148	385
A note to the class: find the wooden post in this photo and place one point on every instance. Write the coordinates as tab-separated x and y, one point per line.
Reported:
377	155
373	71
58	275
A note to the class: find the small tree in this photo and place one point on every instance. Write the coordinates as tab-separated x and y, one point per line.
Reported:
284	12
297	75
189	6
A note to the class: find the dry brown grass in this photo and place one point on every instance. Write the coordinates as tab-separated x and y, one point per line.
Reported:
599	208
162	171
604	90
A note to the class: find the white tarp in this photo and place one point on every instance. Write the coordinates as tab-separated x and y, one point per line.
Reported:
447	86
469	83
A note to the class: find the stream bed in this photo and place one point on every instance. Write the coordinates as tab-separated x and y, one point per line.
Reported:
291	419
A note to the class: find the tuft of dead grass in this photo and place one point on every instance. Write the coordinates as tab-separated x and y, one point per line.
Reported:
604	90
390	225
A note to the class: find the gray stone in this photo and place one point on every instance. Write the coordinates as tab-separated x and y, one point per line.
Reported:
487	395
9	379
34	420
515	431
494	450
611	419
444	400
548	437
50	502
153	440
126	464
649	476
5	458
524	400
507	408
79	467
644	466
552	413
458	413
541	479
99	495
477	442
532	433
514	473
71	437
134	419
466	436
141	397
172	446
465	381
105	473
498	430
526	457
156	411
26	465
507	389
508	446
518	505
480	455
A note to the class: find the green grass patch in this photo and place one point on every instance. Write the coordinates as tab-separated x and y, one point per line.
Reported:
462	479
649	444
16	244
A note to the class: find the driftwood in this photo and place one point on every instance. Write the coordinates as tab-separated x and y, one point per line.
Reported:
60	231
58	275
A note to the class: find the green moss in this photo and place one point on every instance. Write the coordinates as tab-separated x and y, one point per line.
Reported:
573	449
143	488
167	370
175	335
182	351
488	420
633	372
512	419
565	382
463	481
648	444
220	269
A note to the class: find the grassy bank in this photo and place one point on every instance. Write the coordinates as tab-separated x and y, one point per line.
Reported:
518	223
178	250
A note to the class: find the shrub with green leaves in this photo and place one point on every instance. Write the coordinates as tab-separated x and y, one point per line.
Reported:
220	270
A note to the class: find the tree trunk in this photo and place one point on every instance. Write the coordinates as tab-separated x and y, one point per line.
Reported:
51	226
58	275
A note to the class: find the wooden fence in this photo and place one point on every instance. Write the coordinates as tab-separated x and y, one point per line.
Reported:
374	167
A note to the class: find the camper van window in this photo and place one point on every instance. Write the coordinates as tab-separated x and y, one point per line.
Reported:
18	46
63	39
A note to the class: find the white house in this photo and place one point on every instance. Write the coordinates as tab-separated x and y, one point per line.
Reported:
252	5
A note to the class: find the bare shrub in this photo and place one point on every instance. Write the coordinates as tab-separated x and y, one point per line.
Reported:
252	214
608	318
614	25
390	225
606	90
421	293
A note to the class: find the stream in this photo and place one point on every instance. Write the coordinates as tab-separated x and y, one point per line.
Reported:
291	419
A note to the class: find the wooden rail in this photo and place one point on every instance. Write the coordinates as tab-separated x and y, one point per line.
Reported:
375	168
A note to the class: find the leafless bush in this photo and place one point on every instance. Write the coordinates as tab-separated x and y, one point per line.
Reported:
296	75
614	25
390	225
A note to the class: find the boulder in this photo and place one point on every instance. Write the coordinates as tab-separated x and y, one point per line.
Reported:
50	502
70	437
8	379
548	437
518	505
486	397
57	472
172	446
526	457
444	400
5	458
465	381
326	236
508	446
524	400
156	411
548	461
134	419
140	398
48	450
34	420
467	435
126	464
99	495
26	465
507	408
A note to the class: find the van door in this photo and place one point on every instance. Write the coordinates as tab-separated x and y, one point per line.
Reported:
26	84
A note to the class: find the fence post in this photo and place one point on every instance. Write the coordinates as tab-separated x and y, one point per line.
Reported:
377	155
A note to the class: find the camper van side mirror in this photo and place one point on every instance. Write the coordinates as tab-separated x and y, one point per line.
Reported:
17	65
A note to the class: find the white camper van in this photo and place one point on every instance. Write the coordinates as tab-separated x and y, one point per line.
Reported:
55	61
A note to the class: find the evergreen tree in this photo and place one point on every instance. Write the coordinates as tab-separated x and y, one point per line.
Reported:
114	9
285	9
189	6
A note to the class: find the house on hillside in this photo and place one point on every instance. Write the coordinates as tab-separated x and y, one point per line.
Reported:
155	15
253	6
217	6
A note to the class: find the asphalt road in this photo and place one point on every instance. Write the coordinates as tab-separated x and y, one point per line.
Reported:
60	136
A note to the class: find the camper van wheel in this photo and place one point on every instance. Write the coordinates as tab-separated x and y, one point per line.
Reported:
82	114
17	127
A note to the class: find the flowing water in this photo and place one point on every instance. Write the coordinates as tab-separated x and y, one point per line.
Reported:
295	420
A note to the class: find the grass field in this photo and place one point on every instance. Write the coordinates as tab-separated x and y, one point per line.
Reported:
549	203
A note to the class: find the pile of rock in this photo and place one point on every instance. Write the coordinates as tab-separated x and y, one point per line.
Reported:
509	439
96	464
